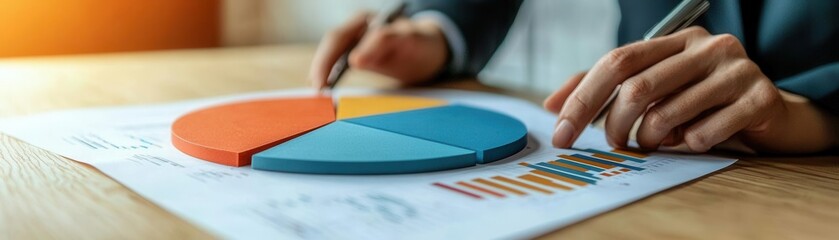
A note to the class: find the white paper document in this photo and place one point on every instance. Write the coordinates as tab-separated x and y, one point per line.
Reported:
132	145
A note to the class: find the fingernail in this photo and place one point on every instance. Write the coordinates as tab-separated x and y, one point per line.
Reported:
563	134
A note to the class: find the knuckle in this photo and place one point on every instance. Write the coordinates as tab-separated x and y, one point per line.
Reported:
727	44
649	135
764	97
636	90
657	120
772	95
741	72
696	141
726	39
744	66
750	106
697	30
619	60
581	105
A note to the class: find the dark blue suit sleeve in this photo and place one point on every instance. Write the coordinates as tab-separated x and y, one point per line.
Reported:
483	24
820	85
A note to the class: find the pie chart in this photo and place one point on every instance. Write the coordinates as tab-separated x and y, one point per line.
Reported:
378	134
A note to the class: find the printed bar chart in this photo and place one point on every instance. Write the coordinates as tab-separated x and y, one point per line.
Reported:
499	186
480	189
564	174
522	184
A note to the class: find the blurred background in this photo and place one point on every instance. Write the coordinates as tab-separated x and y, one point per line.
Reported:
542	49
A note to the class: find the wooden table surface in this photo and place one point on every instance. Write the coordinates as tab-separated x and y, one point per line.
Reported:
43	195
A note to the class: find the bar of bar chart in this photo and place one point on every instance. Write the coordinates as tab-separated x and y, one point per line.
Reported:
568	172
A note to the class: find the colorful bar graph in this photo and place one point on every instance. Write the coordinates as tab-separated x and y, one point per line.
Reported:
615	155
567	173
571	171
607	157
555	172
569	166
453	189
589	167
560	178
521	184
628	153
499	186
584	161
480	189
546	182
607	162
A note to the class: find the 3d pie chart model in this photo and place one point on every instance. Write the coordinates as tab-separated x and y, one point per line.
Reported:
367	135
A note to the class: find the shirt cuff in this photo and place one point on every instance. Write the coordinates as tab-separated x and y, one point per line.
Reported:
453	36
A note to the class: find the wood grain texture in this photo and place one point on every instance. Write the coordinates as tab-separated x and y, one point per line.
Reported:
46	196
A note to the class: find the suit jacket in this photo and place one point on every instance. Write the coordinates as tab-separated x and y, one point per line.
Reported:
795	43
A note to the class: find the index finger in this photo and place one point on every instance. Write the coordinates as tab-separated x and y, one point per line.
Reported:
333	45
611	70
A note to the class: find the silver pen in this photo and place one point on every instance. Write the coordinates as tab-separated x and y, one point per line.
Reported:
682	16
343	64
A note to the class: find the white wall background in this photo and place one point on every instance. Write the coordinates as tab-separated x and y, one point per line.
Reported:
550	40
249	22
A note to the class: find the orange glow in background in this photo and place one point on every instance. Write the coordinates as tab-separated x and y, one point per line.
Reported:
48	27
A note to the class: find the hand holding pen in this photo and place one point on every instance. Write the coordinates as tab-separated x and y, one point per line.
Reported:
408	50
690	88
